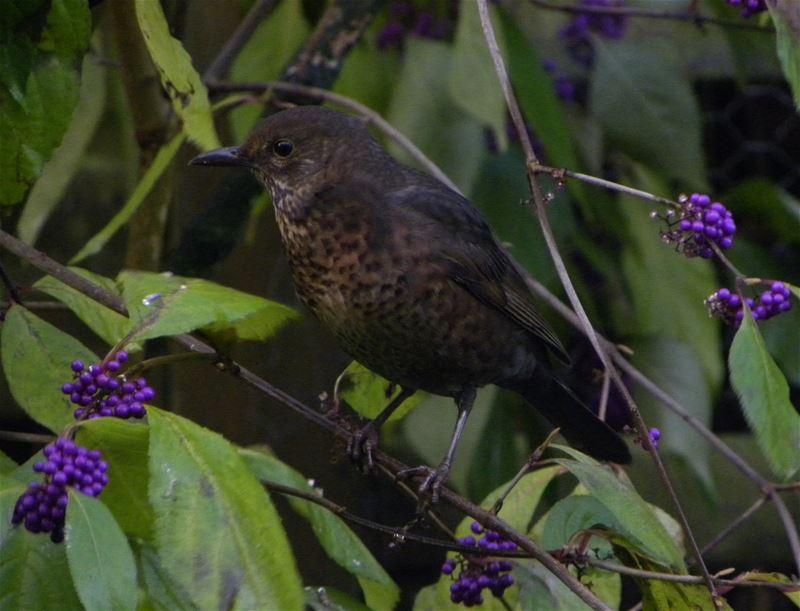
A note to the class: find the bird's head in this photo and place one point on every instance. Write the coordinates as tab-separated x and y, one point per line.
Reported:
300	148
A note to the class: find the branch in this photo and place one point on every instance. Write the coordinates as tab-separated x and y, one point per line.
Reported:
370	116
566	281
624	11
393	466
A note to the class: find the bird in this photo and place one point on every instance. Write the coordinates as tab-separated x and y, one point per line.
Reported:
409	277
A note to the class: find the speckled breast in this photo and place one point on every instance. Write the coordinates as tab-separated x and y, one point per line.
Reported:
392	307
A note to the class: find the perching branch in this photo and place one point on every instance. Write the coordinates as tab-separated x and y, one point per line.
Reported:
566	281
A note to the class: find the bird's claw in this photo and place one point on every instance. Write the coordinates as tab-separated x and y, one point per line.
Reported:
428	491
361	445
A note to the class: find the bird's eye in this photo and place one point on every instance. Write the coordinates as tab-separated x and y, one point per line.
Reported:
283	148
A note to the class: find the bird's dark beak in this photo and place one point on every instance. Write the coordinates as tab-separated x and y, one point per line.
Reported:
229	156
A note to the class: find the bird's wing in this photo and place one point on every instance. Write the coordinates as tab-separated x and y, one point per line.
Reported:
474	258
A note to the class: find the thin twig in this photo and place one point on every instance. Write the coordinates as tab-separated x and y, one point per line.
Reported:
369	115
222	63
763	484
625	11
566	281
26	437
560	173
487	519
744	517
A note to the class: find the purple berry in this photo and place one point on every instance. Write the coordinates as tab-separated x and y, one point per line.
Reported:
76	366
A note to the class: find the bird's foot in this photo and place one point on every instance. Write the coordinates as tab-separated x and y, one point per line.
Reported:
428	491
362	444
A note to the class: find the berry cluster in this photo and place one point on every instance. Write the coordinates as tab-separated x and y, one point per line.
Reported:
406	19
697	223
43	506
101	390
564	87
477	573
655	435
728	306
577	33
749	7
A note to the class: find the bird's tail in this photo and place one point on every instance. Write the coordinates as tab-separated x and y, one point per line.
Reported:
579	425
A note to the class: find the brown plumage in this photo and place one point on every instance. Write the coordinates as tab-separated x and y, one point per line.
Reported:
407	274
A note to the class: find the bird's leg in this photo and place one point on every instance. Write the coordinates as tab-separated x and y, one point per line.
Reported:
365	440
434	478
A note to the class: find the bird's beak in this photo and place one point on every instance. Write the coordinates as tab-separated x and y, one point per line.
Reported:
229	156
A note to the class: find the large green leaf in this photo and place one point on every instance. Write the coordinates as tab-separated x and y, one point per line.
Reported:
163	304
33	571
163	593
100	560
38	86
106	323
217	534
125	448
764	395
368	393
179	78
422	109
667	290
675	367
148	180
638	520
472	81
59	171
648	109
786	17
36	357
339	542
540	590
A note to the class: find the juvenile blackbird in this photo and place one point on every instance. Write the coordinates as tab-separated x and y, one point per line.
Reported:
407	275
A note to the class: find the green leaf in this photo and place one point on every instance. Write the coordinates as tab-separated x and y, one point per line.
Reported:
162	160
36	357
766	208
33	571
792	595
369	75
675	367
59	171
7	465
125	448
178	77
368	393
540	590
635	516
267	51
163	594
667	290
100	560
660	124
38	87
764	395
472	81
330	599
518	509
574	514
179	305
217	534
786	17
663	595
422	109
339	542
106	323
